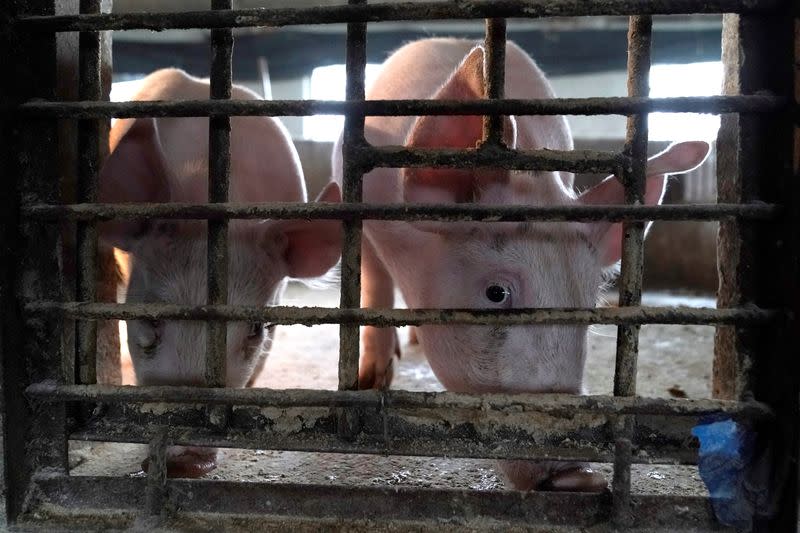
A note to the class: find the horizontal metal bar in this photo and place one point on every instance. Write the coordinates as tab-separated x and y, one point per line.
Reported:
311	316
760	103
297	210
477	432
551	404
493	157
72	502
463	9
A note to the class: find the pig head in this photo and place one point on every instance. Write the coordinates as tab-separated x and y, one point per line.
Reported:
490	264
166	160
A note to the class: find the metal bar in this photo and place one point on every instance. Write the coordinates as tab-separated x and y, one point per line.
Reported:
551	404
577	161
310	507
760	103
418	433
760	264
34	436
354	13
352	181
312	316
662	445
88	172
495	76
156	492
453	213
219	170
630	284
634	180
621	481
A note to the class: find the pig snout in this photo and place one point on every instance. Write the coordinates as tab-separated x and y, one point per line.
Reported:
188	461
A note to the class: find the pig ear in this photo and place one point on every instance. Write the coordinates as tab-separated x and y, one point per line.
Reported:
455	185
135	172
678	158
313	246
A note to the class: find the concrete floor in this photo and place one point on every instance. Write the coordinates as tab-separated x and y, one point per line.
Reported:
673	361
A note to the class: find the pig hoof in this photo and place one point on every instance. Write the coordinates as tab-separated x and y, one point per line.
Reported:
373	378
579	479
189	464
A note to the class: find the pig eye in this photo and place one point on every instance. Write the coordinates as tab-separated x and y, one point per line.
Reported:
256	330
497	293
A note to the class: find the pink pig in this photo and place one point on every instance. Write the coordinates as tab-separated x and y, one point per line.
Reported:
488	265
166	160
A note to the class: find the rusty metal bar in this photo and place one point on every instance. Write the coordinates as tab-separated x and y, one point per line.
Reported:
453	213
352	181
420	433
759	264
312	316
567	160
34	436
311	507
219	170
89	88
634	180
355	13
156	492
495	76
751	103
552	404
640	33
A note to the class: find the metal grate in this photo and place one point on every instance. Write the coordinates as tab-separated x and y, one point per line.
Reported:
627	429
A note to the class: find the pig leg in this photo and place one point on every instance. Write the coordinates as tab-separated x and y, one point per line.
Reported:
379	345
109	278
262	358
412	335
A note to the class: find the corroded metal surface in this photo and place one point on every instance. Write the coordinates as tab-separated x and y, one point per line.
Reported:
634	178
463	9
437	431
310	316
89	88
353	169
553	404
219	173
761	103
243	505
509	213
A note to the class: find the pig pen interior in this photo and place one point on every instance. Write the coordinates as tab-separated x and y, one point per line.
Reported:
585	58
674	361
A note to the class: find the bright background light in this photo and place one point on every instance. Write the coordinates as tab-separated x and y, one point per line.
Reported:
692	79
328	83
666	80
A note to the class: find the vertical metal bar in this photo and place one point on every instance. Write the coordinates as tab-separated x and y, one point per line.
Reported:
219	168
760	263
495	45
634	180
156	495
89	88
630	284
353	175
34	435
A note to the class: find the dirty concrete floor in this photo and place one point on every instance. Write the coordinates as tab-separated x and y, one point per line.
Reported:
673	361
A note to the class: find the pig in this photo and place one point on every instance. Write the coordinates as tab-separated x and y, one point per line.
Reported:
166	160
495	265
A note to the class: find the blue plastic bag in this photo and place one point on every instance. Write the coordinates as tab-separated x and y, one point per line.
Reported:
734	471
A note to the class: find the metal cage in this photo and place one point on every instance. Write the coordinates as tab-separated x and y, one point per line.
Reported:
50	395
